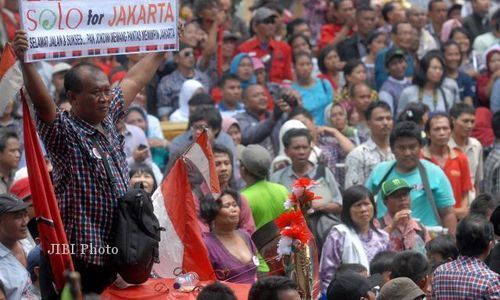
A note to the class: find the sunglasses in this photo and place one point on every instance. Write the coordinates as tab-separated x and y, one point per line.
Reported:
270	20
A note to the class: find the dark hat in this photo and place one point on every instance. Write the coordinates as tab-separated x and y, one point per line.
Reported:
495	220
393	53
401	288
263	13
352	285
389	187
228	35
10	203
257	160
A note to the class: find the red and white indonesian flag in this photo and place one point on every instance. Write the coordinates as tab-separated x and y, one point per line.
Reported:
11	77
181	245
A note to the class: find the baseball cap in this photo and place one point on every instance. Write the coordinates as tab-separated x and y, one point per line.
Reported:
401	288
10	203
393	53
263	13
21	188
257	160
393	185
60	67
352	285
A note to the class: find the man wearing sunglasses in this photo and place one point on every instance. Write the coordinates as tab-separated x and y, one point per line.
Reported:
276	55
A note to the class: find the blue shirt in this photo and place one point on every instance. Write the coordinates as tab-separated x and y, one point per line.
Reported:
316	98
420	206
381	74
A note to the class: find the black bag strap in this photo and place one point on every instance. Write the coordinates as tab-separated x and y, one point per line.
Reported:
444	99
104	158
377	189
428	192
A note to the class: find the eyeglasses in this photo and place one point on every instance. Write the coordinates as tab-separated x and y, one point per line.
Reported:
270	20
200	127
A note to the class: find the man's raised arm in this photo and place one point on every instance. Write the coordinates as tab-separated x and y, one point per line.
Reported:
37	90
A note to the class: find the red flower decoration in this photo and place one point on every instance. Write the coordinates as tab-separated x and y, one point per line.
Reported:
291	218
308	196
297	232
304	183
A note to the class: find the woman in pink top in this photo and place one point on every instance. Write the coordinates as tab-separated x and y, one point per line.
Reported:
231	250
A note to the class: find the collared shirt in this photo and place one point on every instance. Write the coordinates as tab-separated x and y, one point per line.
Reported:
413	236
14	276
474	152
361	161
327	187
87	196
491	183
465	278
226	112
6	182
281	57
390	91
456	168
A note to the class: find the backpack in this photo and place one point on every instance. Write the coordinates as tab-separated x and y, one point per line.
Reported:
136	236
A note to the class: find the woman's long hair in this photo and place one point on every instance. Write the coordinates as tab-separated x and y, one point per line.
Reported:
351	196
421	74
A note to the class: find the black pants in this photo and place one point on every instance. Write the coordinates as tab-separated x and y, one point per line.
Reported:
94	278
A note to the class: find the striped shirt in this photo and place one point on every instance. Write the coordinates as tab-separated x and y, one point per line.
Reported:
87	197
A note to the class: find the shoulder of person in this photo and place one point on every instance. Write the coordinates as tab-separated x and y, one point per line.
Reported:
277	176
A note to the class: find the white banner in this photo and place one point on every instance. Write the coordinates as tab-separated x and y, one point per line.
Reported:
79	28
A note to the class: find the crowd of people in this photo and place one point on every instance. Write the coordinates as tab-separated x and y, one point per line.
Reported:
391	107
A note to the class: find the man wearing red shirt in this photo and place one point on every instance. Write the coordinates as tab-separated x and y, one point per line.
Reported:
345	22
277	56
453	162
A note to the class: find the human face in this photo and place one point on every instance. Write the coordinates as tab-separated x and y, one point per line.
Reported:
453	57
288	295
494	62
403	38
463	125
303	67
440	131
438	12
397	67
300	45
346	11
198	127
378	44
463	41
358	75
261	76
380	122
229	213
435	71
417	17
407	152
58	81
366	21
299	150
338	117
235	133
304	29
256	100
398	14
267	27
361	97
245	69
190	36
398	201
147	180
362	212
481	6
92	103
332	60
14	225
135	118
9	157
309	123
224	168
185	59
231	91
228	47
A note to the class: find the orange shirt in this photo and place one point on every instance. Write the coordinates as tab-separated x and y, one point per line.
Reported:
456	169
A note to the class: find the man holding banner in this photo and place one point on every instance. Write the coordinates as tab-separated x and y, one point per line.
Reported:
90	170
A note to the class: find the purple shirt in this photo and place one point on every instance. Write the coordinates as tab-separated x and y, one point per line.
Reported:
331	256
226	266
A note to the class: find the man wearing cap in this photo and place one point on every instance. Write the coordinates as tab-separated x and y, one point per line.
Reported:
13	257
169	87
395	63
352	286
405	232
276	55
401	288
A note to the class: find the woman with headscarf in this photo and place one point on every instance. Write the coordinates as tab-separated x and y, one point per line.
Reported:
485	82
189	88
242	67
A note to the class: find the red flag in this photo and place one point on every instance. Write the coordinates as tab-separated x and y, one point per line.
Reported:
49	222
181	245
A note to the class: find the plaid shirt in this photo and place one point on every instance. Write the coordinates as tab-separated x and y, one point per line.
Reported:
491	183
87	197
465	278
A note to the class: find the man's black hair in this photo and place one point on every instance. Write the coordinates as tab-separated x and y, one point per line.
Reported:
300	54
474	234
461	108
209	208
482	203
444	245
296	132
201	5
323	53
5	135
211	115
351	65
386	9
376	104
414	112
216	290
290	27
437	115
411	264
268	288
395	27
299	110
201	99
346	268
382	262
336	3
362	7
431	4
228	76
405	129
73	77
495	123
